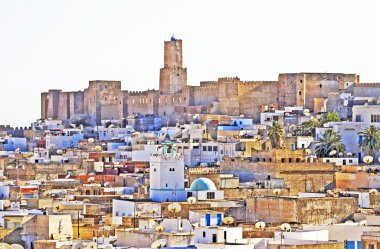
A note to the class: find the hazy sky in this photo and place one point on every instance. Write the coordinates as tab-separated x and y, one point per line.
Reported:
64	44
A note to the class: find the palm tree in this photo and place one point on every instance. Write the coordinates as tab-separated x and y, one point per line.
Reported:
276	134
330	141
371	140
307	128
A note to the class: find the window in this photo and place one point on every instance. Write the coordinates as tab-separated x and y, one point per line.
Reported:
166	185
221	151
299	93
154	169
204	234
358	118
320	85
375	118
350	161
210	195
204	148
215	148
209	148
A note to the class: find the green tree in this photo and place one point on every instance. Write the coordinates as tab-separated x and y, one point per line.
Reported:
307	128
276	134
330	117
370	142
330	141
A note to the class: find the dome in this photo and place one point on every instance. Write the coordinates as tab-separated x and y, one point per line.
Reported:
202	184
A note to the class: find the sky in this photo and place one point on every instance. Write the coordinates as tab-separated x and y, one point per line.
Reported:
63	44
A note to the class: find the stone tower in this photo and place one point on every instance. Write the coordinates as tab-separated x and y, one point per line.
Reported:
173	78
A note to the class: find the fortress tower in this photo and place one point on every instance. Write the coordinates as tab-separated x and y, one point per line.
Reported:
173	78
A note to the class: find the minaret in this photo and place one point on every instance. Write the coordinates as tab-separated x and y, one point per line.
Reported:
172	77
167	175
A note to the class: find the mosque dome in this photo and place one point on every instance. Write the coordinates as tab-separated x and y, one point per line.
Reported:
202	184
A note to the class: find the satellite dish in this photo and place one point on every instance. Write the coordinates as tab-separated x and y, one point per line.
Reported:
47	193
378	159
68	176
5	246
340	154
91	174
56	236
91	179
79	246
289	135
160	228
306	111
90	140
137	214
285	227
4	178
18	150
276	191
192	199
308	151
228	220
349	222
260	225
86	200
174	207
58	206
349	154
16	246
65	247
373	191
92	245
6	204
98	148
59	152
368	159
363	223
159	244
333	152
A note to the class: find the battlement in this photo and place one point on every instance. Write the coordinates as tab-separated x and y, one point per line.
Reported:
368	84
174	68
257	82
229	78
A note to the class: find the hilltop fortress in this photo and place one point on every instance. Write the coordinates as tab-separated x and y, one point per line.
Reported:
175	100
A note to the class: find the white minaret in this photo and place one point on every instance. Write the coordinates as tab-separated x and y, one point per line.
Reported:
167	175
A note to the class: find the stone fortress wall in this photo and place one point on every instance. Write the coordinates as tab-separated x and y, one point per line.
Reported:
104	100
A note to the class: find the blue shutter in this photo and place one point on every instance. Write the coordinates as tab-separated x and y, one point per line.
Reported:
208	219
350	244
359	245
219	219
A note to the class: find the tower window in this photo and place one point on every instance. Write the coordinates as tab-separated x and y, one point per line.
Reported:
320	85
300	93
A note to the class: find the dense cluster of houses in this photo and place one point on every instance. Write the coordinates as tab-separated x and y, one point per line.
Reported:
295	180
